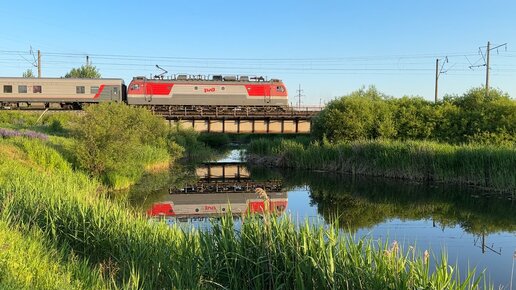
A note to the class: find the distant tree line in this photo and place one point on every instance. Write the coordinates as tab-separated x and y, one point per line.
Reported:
370	114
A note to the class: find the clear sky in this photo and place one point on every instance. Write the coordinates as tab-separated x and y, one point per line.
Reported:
330	48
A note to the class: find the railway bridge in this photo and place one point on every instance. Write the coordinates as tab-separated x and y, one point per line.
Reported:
293	120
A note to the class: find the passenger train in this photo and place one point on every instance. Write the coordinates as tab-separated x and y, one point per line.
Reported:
176	92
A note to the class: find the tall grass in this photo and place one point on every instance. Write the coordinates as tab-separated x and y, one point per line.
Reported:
486	166
264	253
28	261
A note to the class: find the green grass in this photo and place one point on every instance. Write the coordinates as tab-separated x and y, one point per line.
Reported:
65	207
28	261
484	166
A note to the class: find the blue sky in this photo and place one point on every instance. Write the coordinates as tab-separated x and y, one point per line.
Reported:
330	48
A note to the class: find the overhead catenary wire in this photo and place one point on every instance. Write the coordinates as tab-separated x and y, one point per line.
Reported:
390	65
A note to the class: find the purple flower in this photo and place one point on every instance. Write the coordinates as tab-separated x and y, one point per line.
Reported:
8	133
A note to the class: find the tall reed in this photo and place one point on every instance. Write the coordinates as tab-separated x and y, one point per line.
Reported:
485	166
263	253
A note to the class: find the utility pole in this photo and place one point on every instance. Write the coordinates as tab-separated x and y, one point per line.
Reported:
436	78
438	72
39	63
299	95
487	61
87	60
489	48
487	68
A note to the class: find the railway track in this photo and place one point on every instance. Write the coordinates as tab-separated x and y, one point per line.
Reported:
214	112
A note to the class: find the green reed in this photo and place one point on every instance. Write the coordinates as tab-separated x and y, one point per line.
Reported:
485	166
261	252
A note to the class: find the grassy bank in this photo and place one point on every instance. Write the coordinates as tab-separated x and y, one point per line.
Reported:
485	166
48	196
28	261
114	143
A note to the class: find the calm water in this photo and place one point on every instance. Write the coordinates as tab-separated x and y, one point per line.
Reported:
474	228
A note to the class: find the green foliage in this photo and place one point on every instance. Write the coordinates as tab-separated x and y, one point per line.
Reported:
470	118
194	149
114	141
265	253
363	114
28	261
28	74
485	166
84	72
63	207
19	120
488	118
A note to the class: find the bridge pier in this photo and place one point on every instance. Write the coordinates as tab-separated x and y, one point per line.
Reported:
245	122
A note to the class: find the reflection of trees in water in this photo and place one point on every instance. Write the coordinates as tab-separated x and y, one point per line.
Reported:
358	202
153	186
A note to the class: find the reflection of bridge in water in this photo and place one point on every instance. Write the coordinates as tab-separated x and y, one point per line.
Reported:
221	188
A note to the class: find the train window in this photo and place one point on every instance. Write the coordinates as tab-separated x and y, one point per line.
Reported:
80	89
36	89
115	90
22	89
94	90
135	87
8	89
280	89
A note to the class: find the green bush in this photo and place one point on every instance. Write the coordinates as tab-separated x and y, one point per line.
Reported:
111	138
469	118
364	114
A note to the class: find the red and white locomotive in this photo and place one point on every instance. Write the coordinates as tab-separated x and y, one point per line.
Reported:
176	92
214	90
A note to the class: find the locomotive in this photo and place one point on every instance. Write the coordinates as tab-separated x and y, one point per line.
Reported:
173	93
216	204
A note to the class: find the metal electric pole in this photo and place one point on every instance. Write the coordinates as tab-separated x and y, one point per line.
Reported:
487	61
39	63
438	72
299	95
487	67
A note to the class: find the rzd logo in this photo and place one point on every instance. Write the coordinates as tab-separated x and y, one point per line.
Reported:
209	90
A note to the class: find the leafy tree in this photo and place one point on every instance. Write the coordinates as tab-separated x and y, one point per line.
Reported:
28	74
85	72
364	114
414	118
110	137
369	114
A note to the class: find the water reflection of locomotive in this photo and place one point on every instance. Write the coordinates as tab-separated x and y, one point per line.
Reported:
177	92
222	187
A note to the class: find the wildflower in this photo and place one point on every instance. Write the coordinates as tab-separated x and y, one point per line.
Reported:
426	256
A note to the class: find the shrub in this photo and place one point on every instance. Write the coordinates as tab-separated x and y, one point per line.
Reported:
110	138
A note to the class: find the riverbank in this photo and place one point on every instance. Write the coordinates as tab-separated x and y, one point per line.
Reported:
488	167
41	191
66	208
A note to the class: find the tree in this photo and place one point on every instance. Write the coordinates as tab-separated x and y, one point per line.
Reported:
84	72
110	137
28	74
364	114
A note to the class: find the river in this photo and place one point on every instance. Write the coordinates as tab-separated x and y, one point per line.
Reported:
475	228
